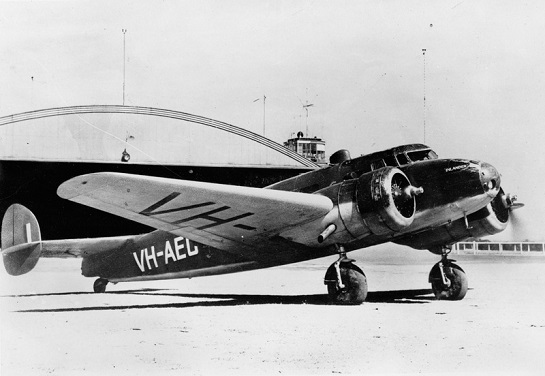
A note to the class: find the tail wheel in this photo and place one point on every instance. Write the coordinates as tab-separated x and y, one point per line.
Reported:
100	285
354	285
458	283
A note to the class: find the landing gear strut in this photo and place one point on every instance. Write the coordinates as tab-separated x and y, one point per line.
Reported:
100	285
448	280
346	283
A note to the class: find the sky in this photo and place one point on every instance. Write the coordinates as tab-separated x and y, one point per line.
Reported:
359	63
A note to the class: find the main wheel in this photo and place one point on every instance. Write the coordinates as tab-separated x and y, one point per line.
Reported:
458	283
100	285
354	281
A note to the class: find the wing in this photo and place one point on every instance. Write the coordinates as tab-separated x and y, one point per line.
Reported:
221	216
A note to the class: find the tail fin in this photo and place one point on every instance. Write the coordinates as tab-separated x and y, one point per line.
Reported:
21	240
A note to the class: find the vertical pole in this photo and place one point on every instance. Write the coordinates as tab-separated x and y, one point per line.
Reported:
124	31
264	99
424	54
32	92
306	121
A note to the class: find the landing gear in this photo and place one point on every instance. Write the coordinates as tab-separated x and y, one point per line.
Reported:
100	285
346	283
448	280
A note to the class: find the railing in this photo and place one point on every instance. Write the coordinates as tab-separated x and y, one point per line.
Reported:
500	248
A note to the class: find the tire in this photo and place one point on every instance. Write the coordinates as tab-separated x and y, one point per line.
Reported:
458	287
355	290
100	285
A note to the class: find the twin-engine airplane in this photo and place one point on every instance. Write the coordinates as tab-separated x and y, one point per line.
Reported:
405	195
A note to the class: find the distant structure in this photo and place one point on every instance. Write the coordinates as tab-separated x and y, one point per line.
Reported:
311	148
499	248
41	149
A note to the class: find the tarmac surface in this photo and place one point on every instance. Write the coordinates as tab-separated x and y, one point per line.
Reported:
277	321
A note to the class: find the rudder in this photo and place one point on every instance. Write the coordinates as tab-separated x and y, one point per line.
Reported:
21	240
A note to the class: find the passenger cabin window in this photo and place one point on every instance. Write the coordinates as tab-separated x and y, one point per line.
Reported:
402	159
421	155
390	161
375	165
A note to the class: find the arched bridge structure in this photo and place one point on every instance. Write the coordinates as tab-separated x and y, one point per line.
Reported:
157	112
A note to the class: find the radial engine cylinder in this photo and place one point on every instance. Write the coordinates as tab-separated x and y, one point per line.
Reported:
381	202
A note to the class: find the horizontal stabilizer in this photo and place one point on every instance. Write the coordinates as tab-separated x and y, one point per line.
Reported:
21	240
22	258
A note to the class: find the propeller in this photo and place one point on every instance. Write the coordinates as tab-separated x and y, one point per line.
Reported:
510	203
403	193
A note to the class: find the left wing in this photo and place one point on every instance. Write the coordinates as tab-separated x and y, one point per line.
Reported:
221	216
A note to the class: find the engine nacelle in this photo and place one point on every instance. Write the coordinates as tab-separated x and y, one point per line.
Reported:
381	202
386	200
490	220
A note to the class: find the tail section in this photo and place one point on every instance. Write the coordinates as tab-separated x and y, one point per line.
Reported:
21	240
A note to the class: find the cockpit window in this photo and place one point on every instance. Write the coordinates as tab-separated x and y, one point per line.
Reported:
421	155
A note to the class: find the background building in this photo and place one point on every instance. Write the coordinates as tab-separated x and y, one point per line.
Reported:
310	148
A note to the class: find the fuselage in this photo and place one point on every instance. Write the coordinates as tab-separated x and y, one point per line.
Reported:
161	255
453	188
451	191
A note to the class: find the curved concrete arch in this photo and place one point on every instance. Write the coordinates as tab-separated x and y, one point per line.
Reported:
118	109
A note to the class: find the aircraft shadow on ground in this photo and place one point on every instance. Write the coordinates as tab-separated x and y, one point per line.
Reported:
420	296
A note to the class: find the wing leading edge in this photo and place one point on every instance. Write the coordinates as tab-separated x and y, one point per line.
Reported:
221	216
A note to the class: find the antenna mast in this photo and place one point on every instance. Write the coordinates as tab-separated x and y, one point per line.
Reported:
264	99
425	112
124	31
306	106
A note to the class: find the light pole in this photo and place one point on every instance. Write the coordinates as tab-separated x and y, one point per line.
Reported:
264	100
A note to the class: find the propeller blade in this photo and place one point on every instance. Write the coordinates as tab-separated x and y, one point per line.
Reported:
510	201
516	205
516	224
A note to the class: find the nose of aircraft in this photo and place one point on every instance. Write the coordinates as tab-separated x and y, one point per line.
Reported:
490	179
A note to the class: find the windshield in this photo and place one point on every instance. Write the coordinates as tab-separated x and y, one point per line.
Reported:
421	155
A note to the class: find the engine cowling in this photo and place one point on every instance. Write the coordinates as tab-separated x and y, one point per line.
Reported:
381	202
490	220
386	200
